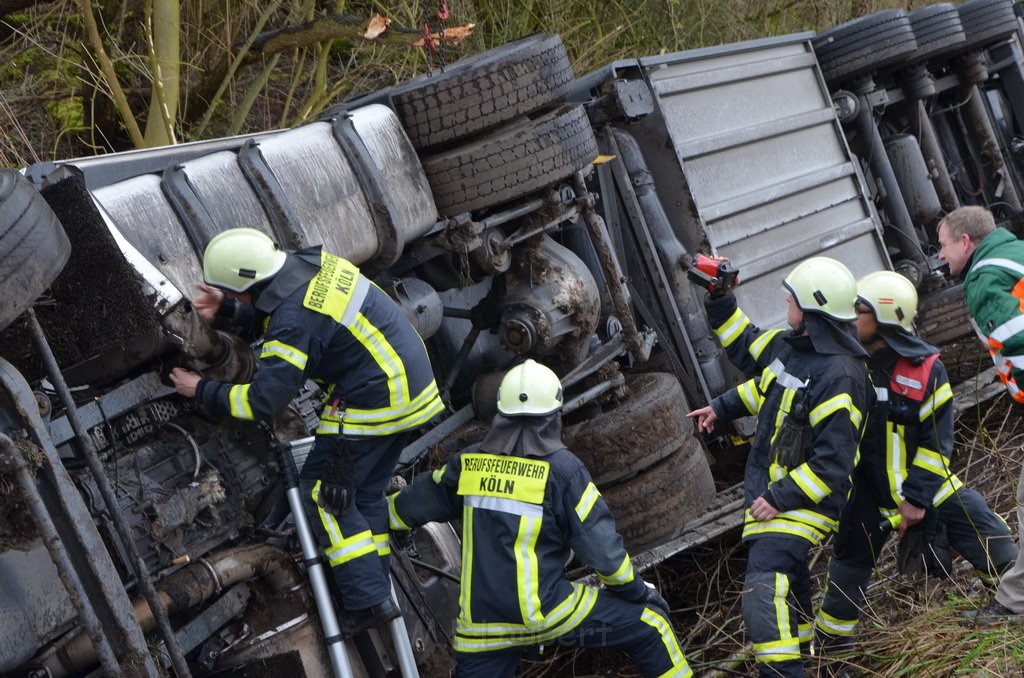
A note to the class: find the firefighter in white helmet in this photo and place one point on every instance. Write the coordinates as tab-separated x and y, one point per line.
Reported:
321	319
527	504
903	481
809	397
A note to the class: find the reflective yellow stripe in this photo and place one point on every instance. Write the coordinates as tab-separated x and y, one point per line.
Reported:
383	544
834	626
942	395
808	481
328	428
812	518
418	415
289	354
350	548
395	520
781	606
504	477
527	570
805	632
780	525
377	345
329	522
776	472
731	329
392	411
438	475
623	575
931	461
238	396
987	578
587	501
488	637
758	346
668	638
843	401
785	406
750	396
946	490
335	287
465	609
777	651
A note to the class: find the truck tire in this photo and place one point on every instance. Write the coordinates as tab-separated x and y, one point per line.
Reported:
866	44
33	245
484	91
938	31
986	22
649	425
651	508
516	160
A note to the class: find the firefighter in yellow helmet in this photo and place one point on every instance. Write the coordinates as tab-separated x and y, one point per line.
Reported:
327	322
809	397
527	504
903	480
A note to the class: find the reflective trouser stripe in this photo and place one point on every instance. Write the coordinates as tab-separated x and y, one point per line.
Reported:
834	626
383	544
668	637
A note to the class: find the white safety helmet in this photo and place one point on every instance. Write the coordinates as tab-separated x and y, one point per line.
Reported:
239	258
891	297
529	390
823	285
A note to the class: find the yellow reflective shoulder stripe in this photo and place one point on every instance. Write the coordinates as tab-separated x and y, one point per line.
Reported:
528	570
758	346
587	500
810	483
940	397
395	520
843	401
834	626
289	354
668	638
238	396
623	575
729	331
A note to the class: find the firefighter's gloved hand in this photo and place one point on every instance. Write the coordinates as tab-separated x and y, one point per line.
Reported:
938	561
337	481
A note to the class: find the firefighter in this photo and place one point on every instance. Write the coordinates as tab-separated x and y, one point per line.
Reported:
809	397
990	262
527	504
325	321
903	480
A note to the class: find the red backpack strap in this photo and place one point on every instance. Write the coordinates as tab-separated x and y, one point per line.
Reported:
910	379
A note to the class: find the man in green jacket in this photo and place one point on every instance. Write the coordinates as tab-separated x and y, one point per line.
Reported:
990	261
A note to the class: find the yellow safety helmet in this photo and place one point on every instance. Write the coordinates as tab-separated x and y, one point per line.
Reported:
823	285
529	390
239	258
891	297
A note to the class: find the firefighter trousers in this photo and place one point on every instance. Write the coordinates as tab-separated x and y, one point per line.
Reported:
973	529
1011	589
644	633
777	604
356	545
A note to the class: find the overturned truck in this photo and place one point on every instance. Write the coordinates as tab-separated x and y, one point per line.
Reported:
513	210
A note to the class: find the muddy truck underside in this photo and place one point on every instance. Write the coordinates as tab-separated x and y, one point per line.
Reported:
513	210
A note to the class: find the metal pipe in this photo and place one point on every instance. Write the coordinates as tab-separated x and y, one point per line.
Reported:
932	152
873	150
186	588
612	273
59	555
592	392
103	484
978	120
459	363
314	567
400	639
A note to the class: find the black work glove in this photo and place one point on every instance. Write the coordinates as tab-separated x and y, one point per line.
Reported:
938	561
337	480
925	548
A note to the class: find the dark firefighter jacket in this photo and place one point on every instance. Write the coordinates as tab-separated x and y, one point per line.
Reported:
908	436
330	323
521	517
831	392
994	287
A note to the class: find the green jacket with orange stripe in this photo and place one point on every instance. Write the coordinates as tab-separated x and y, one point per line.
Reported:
329	323
522	518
